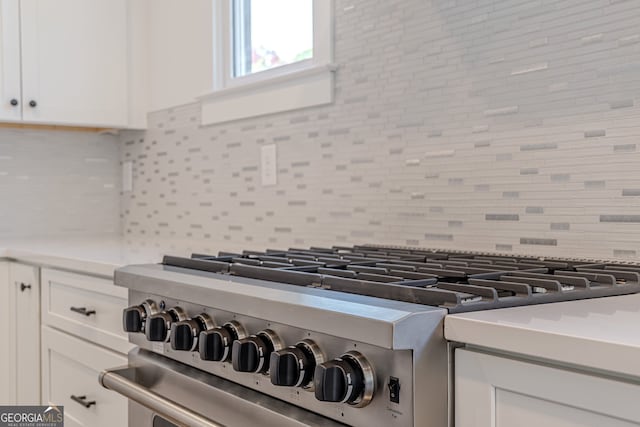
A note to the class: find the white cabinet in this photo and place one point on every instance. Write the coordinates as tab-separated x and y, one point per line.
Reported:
10	88
82	336
492	391
71	370
71	62
20	322
7	376
61	368
74	61
85	306
25	283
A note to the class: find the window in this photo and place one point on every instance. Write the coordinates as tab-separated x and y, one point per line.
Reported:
270	34
269	56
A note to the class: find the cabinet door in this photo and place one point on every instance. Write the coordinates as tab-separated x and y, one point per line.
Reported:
70	368
493	391
74	62
10	56
7	351
26	286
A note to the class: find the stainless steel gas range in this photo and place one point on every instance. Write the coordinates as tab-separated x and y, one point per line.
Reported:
320	336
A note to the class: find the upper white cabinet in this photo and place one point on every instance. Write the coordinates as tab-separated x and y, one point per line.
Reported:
74	61
10	89
69	62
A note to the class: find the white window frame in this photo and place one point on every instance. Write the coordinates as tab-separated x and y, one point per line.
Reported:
302	84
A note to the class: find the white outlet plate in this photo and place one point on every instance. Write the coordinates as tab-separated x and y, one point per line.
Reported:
127	176
269	166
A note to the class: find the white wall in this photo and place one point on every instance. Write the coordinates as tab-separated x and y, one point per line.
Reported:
180	51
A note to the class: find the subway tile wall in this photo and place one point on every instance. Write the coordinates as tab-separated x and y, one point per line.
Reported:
55	183
509	126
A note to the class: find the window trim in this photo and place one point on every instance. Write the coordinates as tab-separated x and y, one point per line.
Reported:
302	84
235	38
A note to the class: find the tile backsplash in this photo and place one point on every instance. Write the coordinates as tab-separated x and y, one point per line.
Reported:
58	183
485	125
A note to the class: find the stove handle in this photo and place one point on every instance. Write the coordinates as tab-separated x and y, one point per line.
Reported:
113	380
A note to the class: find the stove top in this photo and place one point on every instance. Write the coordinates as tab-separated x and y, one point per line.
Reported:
354	334
457	281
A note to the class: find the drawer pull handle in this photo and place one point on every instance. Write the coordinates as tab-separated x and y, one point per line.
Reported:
82	310
23	287
83	401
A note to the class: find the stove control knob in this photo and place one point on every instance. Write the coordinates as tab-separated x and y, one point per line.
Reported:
215	344
252	354
294	366
184	334
134	318
158	326
347	379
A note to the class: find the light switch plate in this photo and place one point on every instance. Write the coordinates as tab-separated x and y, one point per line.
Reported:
127	176
269	166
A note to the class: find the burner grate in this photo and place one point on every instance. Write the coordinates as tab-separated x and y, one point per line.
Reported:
453	280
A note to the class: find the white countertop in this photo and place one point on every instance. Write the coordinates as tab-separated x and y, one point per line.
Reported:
599	333
96	255
101	255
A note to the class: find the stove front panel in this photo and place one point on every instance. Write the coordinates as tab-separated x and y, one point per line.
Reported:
398	400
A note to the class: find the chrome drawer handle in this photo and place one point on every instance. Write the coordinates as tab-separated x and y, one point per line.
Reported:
82	310
82	400
23	287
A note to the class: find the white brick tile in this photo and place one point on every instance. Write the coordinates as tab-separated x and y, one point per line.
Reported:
445	112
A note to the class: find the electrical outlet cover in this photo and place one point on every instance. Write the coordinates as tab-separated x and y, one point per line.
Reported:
269	166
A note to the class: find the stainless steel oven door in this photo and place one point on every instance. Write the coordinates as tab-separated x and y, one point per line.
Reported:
165	393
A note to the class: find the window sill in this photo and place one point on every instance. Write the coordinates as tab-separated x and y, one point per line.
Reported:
301	89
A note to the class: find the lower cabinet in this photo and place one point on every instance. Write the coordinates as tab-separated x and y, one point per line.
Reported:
82	336
85	306
60	331
25	283
70	368
20	323
7	351
492	391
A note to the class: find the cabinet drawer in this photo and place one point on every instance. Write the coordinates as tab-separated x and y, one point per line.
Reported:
85	306
71	368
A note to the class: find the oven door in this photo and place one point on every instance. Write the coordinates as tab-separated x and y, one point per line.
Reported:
165	393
